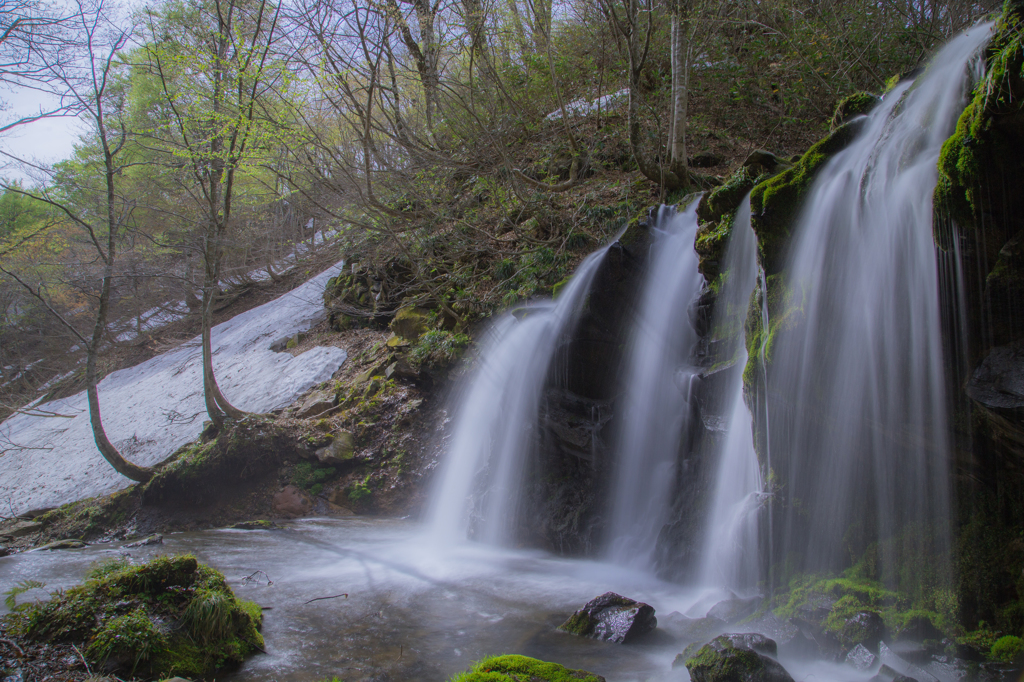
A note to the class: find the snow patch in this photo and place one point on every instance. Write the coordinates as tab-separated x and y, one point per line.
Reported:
154	408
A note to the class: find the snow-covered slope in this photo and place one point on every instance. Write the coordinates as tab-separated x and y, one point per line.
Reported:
153	408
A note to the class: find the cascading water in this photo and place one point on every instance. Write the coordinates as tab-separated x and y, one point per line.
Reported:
855	375
657	403
730	553
480	485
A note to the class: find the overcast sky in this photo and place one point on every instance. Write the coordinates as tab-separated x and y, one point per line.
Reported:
46	140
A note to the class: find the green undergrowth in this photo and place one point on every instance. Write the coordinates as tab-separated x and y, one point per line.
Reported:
438	347
171	616
512	668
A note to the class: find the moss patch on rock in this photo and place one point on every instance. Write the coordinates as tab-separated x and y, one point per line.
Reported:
775	203
169	616
512	668
851	106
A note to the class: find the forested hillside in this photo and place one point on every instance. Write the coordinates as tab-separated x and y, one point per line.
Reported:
461	155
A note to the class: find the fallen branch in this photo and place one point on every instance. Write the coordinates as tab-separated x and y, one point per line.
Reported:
11	643
319	598
255	577
84	662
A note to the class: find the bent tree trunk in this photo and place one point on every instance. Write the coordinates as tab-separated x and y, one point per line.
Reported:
106	448
217	406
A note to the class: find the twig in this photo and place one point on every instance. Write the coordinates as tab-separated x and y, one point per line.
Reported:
255	577
319	598
14	645
84	662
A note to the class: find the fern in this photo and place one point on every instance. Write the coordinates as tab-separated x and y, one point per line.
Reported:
11	595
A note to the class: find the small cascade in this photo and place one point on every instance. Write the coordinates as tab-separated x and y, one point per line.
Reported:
730	554
658	405
856	381
479	486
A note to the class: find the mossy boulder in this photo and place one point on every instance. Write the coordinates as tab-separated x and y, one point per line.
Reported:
851	106
410	322
734	658
511	668
775	203
612	618
169	616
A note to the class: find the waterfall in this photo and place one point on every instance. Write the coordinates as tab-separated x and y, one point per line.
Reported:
658	405
855	379
729	557
479	486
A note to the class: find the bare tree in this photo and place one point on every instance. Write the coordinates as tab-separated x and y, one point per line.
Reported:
97	36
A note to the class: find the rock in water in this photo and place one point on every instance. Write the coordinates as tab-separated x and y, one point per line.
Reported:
155	539
512	668
734	658
612	618
865	628
860	658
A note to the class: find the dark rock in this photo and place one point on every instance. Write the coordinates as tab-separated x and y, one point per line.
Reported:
887	674
732	610
35	513
612	618
860	658
753	640
866	627
291	502
999	382
851	106
729	658
410	322
155	539
4	552
919	629
706	160
760	161
22	528
812	640
61	544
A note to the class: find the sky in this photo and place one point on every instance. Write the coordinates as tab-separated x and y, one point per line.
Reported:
45	140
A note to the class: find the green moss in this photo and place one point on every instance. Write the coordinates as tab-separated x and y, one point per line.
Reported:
725	663
119	615
578	623
557	288
438	348
512	668
857	104
774	203
1007	649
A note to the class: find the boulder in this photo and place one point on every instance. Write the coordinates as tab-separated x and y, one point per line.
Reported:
611	618
341	449
860	658
999	382
866	628
22	528
732	610
813	641
513	668
291	501
887	674
410	322
733	658
894	663
155	539
316	404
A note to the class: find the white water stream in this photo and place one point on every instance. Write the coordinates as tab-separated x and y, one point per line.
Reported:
658	392
856	387
479	486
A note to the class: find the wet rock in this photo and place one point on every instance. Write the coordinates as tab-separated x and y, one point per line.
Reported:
999	381
731	658
291	502
338	499
316	404
860	658
866	628
60	544
514	668
611	618
341	450
894	662
155	539
813	641
887	674
732	610
692	629
339	510
22	528
857	104
256	525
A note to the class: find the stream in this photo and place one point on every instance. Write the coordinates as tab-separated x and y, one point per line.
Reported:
413	611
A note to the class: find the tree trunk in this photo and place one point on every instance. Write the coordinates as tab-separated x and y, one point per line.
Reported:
680	90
